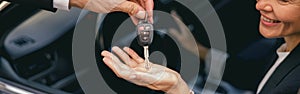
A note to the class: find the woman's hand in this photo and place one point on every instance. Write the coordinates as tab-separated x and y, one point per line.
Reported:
133	70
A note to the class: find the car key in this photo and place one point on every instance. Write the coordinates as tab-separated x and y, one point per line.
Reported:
145	32
145	37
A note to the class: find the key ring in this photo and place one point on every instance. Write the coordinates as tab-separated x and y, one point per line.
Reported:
146	17
145	20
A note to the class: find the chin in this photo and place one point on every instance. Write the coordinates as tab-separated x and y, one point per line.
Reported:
268	33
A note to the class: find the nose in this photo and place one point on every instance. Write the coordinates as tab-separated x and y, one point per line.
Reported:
264	5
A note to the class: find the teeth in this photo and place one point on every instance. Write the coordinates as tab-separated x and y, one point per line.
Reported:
266	19
270	21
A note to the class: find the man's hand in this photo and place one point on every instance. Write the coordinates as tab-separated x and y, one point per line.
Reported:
135	8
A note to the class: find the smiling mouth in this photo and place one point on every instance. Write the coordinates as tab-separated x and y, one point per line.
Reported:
270	20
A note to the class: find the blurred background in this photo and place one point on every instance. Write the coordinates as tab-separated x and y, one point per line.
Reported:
36	46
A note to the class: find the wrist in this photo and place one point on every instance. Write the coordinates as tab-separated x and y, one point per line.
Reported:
78	3
179	88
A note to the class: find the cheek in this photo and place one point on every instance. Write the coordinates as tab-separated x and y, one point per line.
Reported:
297	23
288	13
297	29
293	26
277	31
266	32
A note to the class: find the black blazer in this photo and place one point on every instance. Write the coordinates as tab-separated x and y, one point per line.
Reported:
286	78
246	69
247	74
43	4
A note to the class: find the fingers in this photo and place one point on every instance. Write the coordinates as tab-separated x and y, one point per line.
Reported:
149	5
141	2
120	69
134	19
129	7
124	57
139	15
110	61
157	78
133	55
112	57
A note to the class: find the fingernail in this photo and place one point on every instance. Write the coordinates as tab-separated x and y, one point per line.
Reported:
126	48
140	14
104	53
151	20
114	48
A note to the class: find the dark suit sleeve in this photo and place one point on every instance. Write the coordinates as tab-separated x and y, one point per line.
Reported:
43	4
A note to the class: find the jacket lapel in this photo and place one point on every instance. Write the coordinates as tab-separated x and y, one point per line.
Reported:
290	62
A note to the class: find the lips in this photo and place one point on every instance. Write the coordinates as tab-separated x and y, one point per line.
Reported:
268	21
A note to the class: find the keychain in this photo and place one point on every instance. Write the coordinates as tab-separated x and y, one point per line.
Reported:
145	37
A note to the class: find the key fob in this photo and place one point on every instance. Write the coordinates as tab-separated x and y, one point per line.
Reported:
145	33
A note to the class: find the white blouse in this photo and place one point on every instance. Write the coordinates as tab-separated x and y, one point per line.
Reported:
281	56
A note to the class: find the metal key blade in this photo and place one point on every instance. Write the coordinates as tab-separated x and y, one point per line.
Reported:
146	55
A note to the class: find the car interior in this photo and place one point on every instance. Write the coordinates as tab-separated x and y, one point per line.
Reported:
36	47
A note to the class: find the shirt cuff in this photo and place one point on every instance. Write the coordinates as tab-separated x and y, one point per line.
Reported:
61	4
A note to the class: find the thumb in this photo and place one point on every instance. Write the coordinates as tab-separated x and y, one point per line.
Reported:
133	9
